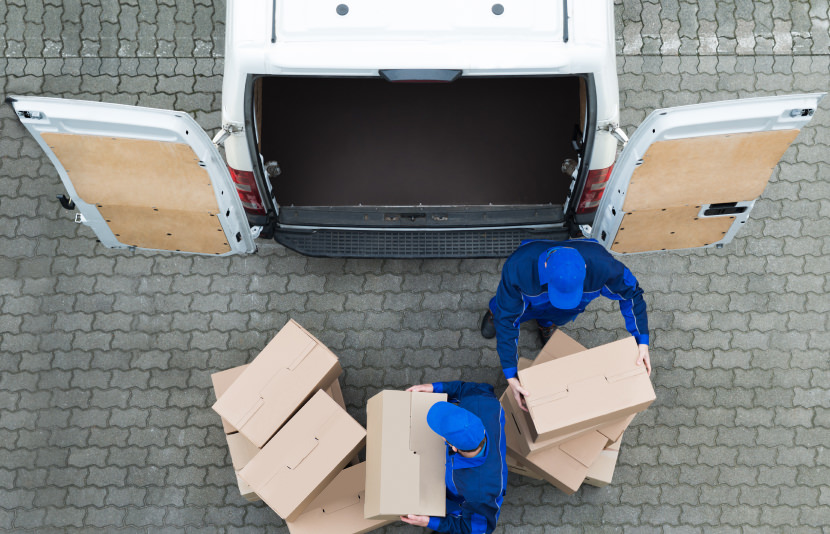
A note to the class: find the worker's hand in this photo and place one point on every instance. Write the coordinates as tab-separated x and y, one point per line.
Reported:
422	388
519	392
417	520
644	359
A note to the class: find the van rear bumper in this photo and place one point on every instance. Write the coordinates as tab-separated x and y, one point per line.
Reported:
412	243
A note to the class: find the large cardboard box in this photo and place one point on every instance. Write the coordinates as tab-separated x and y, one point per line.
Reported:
582	390
221	382
304	456
339	508
566	465
404	457
280	379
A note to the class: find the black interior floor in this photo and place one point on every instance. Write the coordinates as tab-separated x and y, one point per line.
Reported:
366	141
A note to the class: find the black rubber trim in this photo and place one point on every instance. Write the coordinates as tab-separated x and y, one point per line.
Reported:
590	134
269	220
411	244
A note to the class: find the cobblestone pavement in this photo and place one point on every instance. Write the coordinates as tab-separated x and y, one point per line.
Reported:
105	392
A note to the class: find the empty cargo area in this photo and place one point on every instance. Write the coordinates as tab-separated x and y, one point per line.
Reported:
371	142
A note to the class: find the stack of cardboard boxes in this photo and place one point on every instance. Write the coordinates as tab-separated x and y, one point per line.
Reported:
580	403
290	437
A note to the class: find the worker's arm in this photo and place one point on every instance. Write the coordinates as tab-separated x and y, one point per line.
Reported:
622	286
457	390
510	307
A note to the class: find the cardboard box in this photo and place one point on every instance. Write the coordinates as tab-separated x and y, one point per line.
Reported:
339	508
221	382
281	378
582	390
520	421
514	466
602	470
566	465
304	456
404	457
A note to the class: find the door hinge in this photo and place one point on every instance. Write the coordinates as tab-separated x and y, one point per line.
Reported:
226	131
616	131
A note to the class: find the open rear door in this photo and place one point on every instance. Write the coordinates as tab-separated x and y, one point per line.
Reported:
140	178
689	176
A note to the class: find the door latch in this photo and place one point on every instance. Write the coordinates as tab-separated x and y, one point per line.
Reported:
66	202
37	115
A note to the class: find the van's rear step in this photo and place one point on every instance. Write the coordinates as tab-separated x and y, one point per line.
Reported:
411	244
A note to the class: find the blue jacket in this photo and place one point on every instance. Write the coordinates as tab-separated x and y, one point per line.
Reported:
520	296
475	486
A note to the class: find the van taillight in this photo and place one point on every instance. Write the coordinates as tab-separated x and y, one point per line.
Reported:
248	191
594	187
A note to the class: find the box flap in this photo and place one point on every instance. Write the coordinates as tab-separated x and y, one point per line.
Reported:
281	378
304	456
558	346
303	447
614	430
585	448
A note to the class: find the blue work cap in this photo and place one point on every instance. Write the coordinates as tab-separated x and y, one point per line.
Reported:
461	428
563	270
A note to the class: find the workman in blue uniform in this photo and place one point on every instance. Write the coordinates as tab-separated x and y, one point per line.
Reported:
472	424
552	282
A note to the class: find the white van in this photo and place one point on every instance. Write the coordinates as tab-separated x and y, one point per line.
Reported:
443	128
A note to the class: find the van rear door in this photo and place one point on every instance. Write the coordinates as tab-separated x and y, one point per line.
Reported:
139	177
690	175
